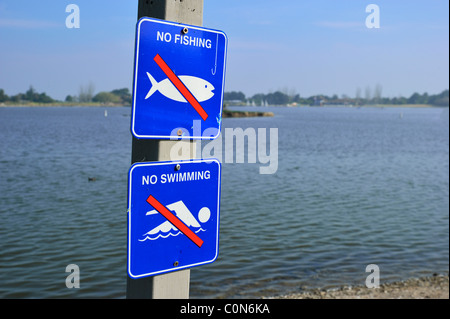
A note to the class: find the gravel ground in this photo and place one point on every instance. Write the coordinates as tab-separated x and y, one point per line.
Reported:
435	287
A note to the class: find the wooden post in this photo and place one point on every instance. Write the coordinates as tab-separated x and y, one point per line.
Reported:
173	285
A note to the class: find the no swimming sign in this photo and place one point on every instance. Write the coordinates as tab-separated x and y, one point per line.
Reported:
173	216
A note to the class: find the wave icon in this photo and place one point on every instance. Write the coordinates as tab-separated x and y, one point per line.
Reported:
167	229
169	234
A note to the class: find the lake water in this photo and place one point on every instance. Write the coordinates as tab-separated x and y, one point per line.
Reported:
354	186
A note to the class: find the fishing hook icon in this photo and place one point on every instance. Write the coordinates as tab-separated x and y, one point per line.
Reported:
215	62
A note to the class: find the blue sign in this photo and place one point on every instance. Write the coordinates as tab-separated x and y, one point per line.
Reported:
173	216
179	76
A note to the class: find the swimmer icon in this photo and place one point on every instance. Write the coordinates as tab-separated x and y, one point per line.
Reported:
167	228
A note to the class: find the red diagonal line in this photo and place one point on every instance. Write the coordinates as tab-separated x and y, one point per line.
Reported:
180	86
174	220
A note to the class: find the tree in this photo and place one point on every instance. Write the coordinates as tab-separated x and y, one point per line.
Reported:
399	100
358	96
30	95
258	98
377	94
86	93
295	98
424	99
414	99
441	99
234	96
16	98
124	94
277	98
368	94
106	97
43	98
3	96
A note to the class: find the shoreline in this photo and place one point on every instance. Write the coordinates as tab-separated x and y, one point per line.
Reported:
348	106
229	113
64	105
97	104
429	287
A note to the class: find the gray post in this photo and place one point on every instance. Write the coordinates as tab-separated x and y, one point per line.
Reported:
173	285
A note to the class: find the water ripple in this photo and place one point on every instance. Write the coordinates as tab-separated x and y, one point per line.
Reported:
354	187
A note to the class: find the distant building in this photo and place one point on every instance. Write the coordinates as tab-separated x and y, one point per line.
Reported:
318	101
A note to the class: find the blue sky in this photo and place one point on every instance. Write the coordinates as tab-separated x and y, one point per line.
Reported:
296	46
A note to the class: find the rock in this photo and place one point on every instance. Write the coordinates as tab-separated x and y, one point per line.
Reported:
228	113
432	287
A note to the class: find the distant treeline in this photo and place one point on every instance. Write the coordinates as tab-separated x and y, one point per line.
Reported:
86	95
123	97
280	98
31	96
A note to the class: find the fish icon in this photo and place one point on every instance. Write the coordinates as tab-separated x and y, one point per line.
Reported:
201	89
